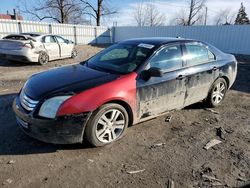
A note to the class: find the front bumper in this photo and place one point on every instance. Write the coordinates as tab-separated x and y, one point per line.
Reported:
62	130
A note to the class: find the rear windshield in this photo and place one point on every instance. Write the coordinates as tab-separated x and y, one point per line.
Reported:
31	34
15	37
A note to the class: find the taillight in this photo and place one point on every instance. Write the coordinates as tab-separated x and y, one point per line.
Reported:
26	46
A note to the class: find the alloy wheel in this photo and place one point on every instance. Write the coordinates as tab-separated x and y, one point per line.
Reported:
218	92
110	126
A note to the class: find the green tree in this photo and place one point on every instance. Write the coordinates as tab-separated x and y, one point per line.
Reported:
242	16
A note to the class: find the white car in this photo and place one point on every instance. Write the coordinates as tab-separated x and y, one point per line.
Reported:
35	47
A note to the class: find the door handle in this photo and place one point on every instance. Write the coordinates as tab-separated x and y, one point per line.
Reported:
180	77
215	68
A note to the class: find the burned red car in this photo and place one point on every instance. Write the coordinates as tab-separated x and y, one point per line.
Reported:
127	83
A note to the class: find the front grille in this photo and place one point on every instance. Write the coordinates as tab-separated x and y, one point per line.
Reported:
26	102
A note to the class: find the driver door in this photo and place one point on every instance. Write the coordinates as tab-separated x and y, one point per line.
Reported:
52	47
161	94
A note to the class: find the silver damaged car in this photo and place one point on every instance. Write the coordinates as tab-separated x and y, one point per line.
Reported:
36	48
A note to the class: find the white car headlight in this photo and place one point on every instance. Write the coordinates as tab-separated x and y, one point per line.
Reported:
49	107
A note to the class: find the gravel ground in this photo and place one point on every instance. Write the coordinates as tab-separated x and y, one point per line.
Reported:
155	153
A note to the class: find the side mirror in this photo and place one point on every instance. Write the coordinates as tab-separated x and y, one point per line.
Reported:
155	72
152	72
67	41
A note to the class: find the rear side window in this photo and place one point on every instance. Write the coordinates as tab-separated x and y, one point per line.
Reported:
198	54
168	58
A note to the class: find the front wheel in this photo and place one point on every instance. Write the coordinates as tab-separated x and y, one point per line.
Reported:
217	93
43	58
107	124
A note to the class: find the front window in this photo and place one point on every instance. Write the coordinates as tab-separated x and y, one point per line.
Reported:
49	39
169	58
60	39
120	58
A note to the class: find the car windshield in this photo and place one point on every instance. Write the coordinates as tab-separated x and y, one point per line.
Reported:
120	58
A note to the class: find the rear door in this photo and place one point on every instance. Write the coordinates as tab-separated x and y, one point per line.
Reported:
160	94
52	47
201	70
65	47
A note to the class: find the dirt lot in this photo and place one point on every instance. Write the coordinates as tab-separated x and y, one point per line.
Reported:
164	152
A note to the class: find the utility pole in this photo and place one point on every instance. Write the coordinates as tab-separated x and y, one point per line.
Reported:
205	22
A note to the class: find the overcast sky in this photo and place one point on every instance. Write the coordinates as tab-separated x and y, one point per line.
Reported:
168	7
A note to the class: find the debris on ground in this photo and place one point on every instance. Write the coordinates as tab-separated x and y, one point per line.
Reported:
157	145
211	110
220	132
135	171
170	184
241	179
8	181
91	160
11	162
168	118
210	178
229	130
50	165
212	143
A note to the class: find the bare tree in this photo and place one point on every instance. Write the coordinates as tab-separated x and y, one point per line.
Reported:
61	11
193	16
224	17
146	14
97	12
140	15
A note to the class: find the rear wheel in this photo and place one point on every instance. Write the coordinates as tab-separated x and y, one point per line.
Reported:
217	93
43	58
107	124
74	53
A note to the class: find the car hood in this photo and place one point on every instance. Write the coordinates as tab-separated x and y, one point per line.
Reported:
65	80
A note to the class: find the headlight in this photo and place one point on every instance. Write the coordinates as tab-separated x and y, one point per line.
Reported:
49	107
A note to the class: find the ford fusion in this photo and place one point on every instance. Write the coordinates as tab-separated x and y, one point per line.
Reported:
127	83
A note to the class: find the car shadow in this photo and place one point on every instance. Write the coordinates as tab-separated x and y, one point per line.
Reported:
7	63
243	77
15	142
199	105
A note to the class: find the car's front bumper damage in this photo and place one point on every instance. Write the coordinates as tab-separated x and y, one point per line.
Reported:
62	130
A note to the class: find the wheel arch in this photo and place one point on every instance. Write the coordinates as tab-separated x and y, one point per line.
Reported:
127	107
222	76
226	79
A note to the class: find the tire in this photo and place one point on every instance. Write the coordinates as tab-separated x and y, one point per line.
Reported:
217	93
74	53
101	131
43	58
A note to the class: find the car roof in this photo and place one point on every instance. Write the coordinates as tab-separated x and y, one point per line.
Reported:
34	34
156	40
